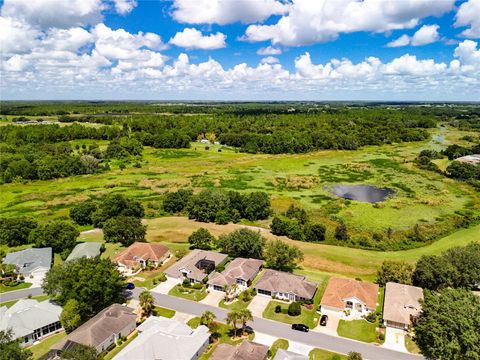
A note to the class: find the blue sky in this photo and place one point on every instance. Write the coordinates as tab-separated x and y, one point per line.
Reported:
209	49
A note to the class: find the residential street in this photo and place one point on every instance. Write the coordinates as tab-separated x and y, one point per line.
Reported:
280	330
20	294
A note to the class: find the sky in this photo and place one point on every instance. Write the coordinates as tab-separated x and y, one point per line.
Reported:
388	50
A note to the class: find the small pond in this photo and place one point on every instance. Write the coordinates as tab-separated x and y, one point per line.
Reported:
364	193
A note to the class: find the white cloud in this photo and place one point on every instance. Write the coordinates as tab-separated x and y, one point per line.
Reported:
468	14
16	37
123	7
467	52
269	60
226	11
54	13
309	22
403	40
269	50
427	34
191	38
69	40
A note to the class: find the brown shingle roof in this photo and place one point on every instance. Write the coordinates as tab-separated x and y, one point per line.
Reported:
280	281
401	302
247	350
193	258
239	268
95	331
141	250
339	289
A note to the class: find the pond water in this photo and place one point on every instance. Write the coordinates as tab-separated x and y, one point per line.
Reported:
364	193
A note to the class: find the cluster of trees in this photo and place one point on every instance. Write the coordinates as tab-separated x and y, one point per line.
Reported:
60	235
118	216
249	244
295	224
454	268
219	206
84	287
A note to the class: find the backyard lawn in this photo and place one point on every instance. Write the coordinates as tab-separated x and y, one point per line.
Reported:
320	354
22	285
45	345
360	330
188	293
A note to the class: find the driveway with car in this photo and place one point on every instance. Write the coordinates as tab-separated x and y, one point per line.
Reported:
166	286
258	304
332	323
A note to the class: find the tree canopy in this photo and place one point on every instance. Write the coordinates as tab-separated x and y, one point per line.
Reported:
60	235
394	271
242	243
124	229
281	256
15	231
201	239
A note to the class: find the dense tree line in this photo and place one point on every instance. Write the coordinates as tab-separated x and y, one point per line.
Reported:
219	206
295	224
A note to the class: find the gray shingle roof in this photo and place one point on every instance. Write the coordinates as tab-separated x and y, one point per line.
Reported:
239	268
190	260
161	338
87	249
30	259
283	282
401	302
26	315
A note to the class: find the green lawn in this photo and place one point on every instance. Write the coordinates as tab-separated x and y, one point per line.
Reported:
411	346
194	322
238	304
11	303
188	293
360	330
307	317
45	345
278	344
22	285
320	354
160	311
117	349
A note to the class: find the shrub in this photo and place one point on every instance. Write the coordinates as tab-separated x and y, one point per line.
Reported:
294	309
162	277
186	282
278	309
197	286
381	337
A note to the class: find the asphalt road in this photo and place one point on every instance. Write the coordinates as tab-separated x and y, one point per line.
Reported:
20	294
280	330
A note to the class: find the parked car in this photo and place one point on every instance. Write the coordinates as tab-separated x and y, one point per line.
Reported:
130	286
324	320
300	327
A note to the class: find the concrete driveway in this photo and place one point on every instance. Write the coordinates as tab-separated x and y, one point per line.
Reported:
166	286
258	304
213	298
264	339
332	323
394	339
299	348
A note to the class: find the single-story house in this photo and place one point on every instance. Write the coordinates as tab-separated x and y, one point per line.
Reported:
288	355
240	271
196	265
357	297
101	331
87	249
285	286
31	263
141	254
31	320
160	338
247	350
401	306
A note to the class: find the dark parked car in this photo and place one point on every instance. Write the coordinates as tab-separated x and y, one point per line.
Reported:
323	320
300	327
130	286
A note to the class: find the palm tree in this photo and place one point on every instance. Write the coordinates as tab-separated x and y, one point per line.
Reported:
230	291
207	318
232	319
146	302
245	316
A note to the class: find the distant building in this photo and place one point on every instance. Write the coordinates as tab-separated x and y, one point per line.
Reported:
240	271
470	159
402	305
285	286
141	254
87	249
101	331
31	320
196	265
357	297
160	338
247	350
33	263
